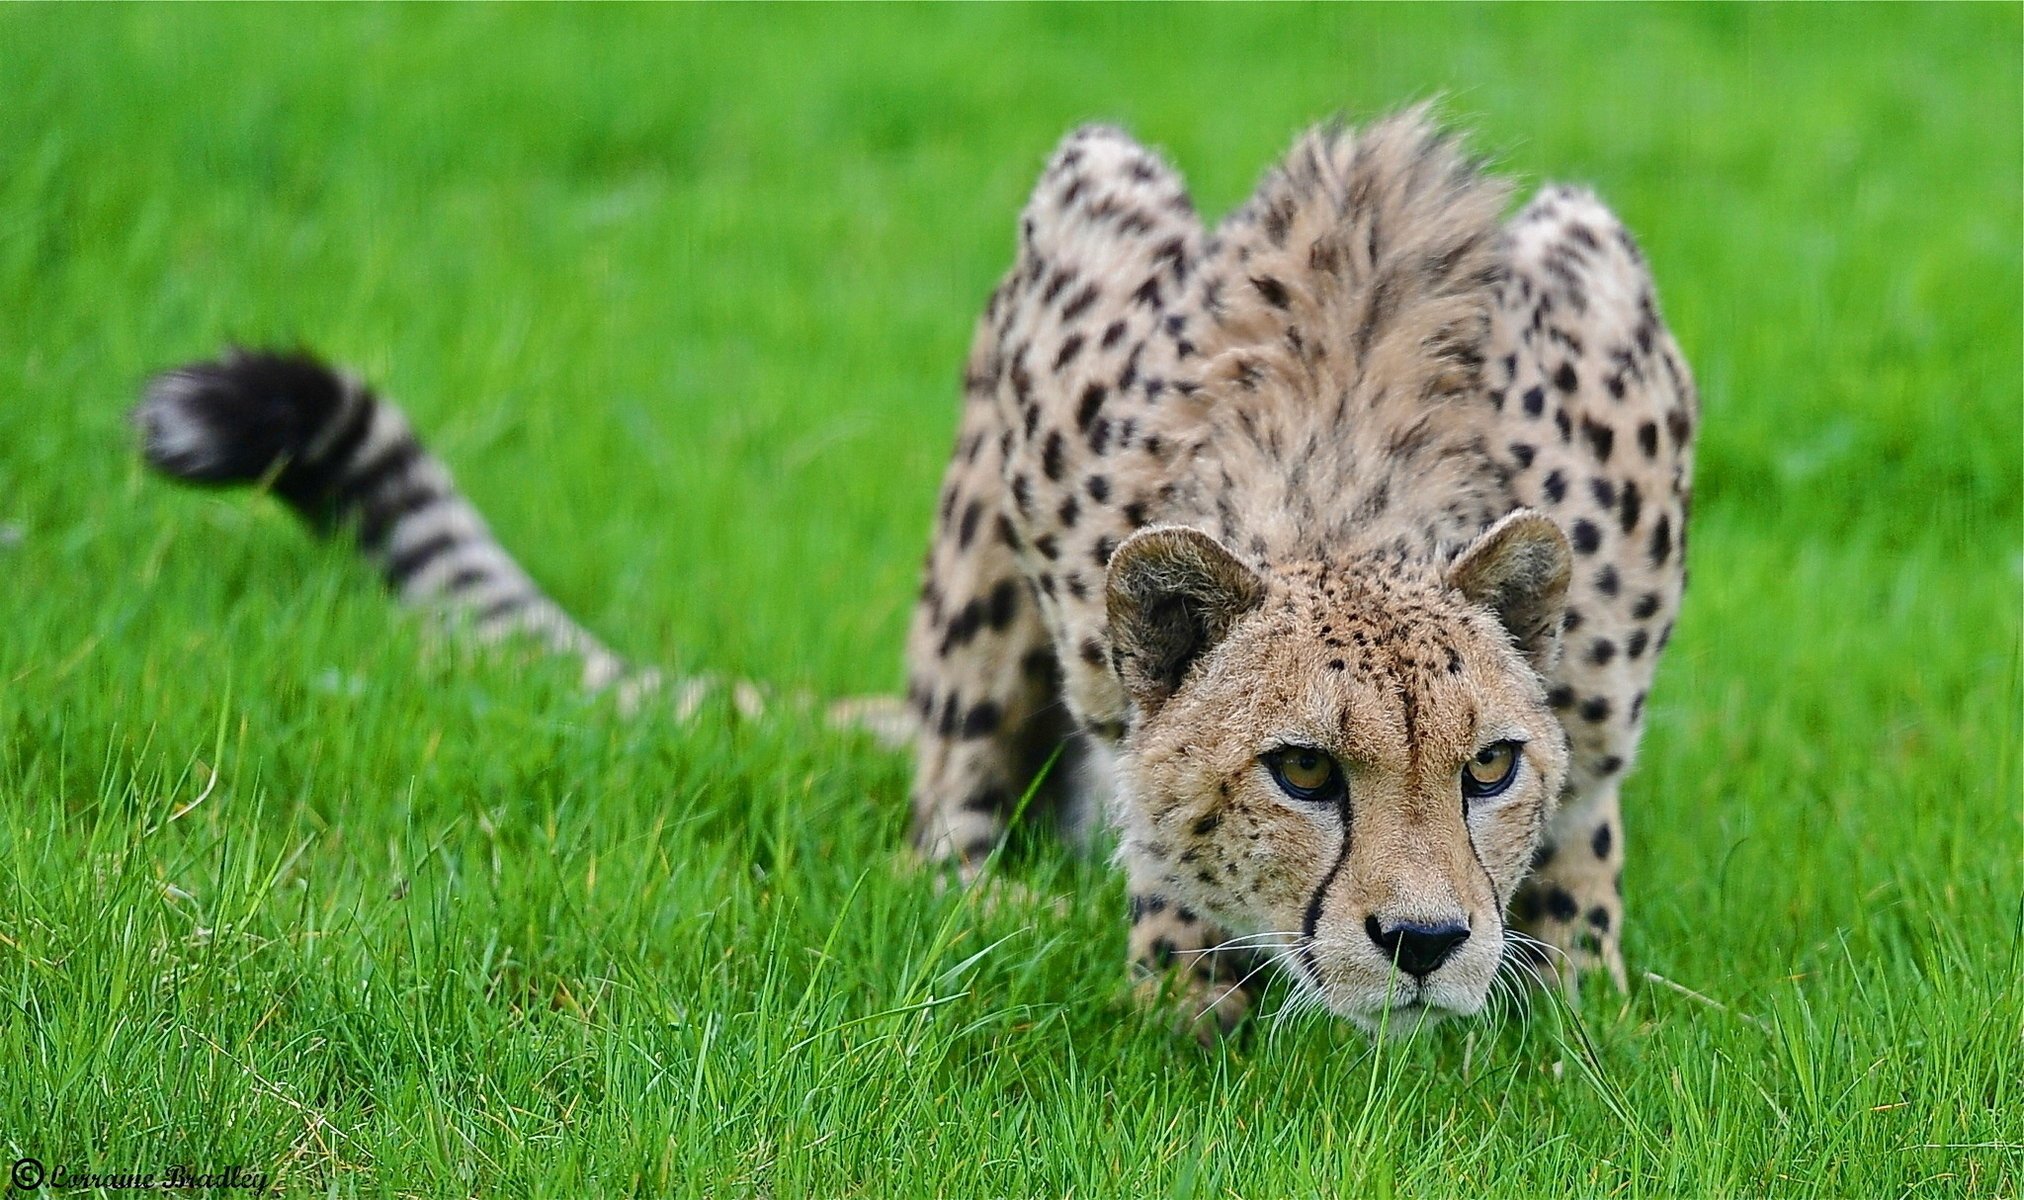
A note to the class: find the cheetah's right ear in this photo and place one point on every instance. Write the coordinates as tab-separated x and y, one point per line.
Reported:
1519	569
1173	593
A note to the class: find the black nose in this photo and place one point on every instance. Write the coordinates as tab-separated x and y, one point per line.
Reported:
1419	950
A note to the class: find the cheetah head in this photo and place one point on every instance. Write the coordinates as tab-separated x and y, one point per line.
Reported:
1350	762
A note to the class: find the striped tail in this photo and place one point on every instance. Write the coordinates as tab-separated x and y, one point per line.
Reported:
344	459
347	461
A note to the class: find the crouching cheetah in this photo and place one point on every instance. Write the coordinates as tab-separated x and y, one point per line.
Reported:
1348	534
1340	540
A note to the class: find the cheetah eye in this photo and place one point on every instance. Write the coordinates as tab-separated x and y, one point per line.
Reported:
1305	773
1491	771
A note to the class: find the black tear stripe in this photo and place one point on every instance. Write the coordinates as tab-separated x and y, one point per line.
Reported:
1312	917
1484	868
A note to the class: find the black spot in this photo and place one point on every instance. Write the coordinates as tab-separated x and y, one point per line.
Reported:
1604	492
1070	347
1565	379
966	531
961	628
1601	438
1098	488
1543	855
1092	652
1092	400
1047	547
1112	334
1601	651
1101	552
1099	436
1637	706
1163	951
1522	453
1595	709
1606	581
1599	917
1561	905
1070	509
1609	765
1662	540
1602	840
1585	536
1050	455
989	800
1526	906
1628	513
1079	303
1273	291
1565	424
1646	607
1560	696
1207	825
1648	439
1135	515
1004	603
1555	486
1534	401
1336	664
1634	645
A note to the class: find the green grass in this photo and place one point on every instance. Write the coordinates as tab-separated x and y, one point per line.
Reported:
682	294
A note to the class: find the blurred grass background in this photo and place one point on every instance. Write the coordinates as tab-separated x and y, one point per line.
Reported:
682	295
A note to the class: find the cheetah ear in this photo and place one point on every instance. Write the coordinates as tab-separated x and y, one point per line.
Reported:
1173	593
1519	569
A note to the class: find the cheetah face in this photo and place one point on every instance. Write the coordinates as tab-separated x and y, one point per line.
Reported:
1349	764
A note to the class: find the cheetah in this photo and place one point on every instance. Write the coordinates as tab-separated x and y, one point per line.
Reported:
1338	543
1345	538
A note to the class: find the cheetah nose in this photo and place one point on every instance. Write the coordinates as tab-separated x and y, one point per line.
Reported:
1419	950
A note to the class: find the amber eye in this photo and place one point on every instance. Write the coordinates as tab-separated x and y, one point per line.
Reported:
1305	773
1491	771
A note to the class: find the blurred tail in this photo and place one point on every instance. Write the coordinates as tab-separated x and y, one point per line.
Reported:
344	459
347	460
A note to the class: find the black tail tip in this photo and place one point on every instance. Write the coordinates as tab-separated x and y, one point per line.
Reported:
235	419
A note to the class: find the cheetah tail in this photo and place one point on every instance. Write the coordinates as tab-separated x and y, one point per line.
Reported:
347	462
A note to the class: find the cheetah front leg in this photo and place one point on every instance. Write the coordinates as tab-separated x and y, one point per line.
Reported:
1573	900
1183	967
983	680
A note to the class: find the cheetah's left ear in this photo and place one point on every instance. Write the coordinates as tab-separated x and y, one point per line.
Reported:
1519	569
